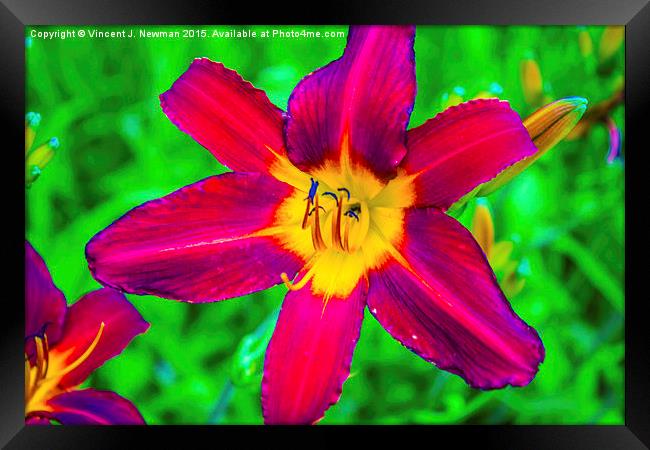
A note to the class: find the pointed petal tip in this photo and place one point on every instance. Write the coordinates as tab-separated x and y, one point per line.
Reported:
226	114
470	330
547	126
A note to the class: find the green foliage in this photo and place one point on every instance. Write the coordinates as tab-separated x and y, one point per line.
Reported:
565	215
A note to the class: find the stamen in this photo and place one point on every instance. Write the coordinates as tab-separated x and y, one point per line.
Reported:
40	357
345	190
300	284
307	213
351	213
316	237
28	378
312	189
46	351
336	227
333	195
346	236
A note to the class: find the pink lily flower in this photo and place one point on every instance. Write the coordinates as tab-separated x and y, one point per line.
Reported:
340	202
64	345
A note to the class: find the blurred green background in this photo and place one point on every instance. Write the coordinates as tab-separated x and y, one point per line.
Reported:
565	216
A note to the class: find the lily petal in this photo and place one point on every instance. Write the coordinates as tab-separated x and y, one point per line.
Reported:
204	242
83	325
227	115
463	147
358	105
45	304
439	298
309	355
93	407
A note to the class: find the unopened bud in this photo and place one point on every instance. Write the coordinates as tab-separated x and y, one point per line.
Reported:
547	126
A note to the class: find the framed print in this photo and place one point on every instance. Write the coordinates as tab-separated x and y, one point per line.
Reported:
370	219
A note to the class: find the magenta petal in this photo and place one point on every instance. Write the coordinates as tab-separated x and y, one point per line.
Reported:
366	94
122	322
93	407
462	147
197	244
309	355
225	114
45	304
443	302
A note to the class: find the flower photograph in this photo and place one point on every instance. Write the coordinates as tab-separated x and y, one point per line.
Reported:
301	225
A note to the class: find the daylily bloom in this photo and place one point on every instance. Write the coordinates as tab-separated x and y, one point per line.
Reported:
64	345
36	159
336	199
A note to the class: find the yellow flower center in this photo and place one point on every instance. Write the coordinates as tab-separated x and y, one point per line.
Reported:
42	377
341	220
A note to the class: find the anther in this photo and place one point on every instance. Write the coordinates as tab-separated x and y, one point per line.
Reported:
345	190
314	209
351	213
312	189
333	195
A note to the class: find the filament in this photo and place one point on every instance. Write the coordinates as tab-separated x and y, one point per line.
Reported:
316	236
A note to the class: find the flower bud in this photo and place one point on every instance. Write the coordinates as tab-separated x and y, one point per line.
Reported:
38	158
531	81
585	43
610	41
547	126
32	120
483	228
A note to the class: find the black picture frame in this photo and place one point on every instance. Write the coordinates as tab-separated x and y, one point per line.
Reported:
634	14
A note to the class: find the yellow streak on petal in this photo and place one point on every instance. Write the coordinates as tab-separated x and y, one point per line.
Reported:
284	170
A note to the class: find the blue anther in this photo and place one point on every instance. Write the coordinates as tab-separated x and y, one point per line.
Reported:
313	189
40	333
54	143
314	209
333	195
346	191
351	213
